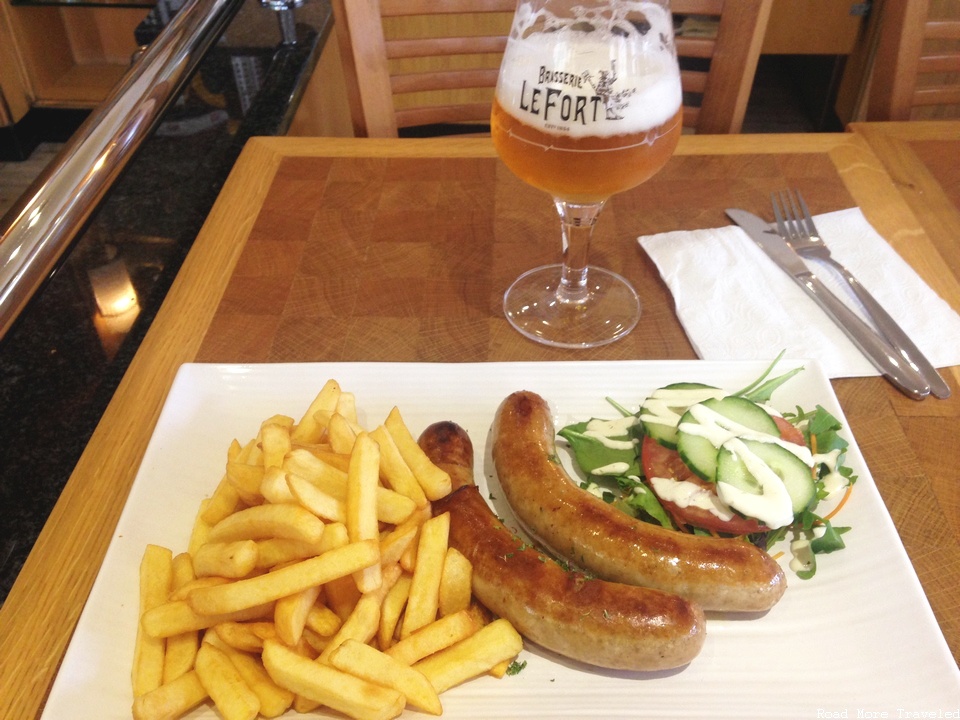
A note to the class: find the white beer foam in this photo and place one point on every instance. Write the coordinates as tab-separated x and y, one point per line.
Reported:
539	64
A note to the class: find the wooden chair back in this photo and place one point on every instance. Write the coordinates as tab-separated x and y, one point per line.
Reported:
916	69
419	66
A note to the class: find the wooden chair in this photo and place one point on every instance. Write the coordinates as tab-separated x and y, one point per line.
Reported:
916	69
416	66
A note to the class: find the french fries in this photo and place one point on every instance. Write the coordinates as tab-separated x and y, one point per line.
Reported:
315	575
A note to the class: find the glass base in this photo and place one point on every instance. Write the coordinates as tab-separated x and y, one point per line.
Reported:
608	312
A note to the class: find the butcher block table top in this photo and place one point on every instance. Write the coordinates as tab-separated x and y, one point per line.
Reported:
400	250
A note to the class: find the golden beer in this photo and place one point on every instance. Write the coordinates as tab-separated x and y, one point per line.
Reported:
582	169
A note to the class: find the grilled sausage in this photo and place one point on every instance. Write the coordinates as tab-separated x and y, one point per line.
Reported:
718	573
586	619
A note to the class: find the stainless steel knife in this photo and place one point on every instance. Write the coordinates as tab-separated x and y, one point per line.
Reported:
874	347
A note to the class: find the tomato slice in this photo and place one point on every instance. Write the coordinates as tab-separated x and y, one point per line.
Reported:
659	461
662	462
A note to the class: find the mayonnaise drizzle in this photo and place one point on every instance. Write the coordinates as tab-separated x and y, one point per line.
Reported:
772	505
687	494
802	555
718	429
833	481
605	432
666	405
614	468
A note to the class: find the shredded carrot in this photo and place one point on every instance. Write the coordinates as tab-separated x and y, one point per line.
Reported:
843	501
778	555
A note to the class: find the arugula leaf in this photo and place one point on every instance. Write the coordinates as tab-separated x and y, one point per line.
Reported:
763	376
759	391
764	392
825	427
830	541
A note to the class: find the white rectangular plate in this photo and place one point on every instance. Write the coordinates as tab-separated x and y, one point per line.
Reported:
859	638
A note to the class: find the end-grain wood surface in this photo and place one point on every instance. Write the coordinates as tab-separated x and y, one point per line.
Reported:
400	250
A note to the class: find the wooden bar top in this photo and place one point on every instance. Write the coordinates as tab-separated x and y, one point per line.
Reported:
379	250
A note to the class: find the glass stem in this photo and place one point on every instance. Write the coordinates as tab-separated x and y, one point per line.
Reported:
577	221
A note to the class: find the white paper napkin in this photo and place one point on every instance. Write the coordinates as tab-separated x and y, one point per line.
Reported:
736	304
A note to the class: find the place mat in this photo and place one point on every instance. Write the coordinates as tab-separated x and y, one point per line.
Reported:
735	304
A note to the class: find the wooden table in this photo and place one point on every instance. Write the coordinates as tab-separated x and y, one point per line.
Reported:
400	251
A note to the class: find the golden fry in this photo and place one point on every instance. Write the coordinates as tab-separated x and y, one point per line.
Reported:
314	499
353	696
323	621
225	500
456	583
364	620
347	407
280	551
341	433
434	637
176	616
156	578
362	524
395	543
290	614
274	443
226	559
244	636
394	470
370	664
274	486
391	611
476	655
424	597
201	528
184	590
274	700
308	430
341	596
434	481
269	521
334	536
170	700
226	687
246	479
181	649
288	580
392	507
361	625
329	478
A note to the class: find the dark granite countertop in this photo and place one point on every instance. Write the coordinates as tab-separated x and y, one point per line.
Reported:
62	361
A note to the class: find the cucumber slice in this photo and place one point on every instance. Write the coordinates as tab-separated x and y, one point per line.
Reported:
735	468
661	412
707	425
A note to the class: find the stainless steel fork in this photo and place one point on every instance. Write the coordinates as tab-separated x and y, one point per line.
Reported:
795	225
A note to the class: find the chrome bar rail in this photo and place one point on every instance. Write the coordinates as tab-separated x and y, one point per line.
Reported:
42	224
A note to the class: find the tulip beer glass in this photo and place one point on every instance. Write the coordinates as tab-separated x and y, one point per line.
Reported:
588	104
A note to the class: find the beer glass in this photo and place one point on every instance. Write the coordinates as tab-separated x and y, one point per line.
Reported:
588	104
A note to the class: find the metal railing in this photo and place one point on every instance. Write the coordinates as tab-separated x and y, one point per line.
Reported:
41	226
